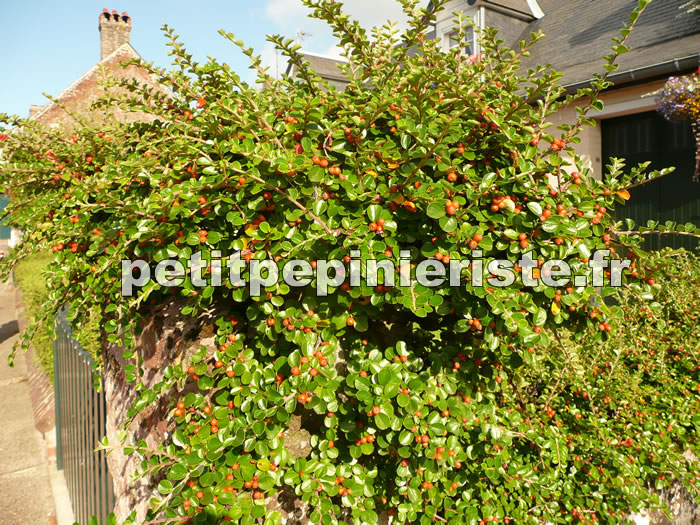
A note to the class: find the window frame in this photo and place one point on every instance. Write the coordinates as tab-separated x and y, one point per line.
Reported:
449	43
449	29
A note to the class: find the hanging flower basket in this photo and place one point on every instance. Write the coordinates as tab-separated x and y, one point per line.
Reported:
680	100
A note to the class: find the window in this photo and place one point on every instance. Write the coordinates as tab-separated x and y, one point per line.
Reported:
446	28
467	45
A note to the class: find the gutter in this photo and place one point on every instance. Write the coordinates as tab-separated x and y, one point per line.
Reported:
676	65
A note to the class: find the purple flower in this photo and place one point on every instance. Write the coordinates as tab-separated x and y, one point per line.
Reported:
680	98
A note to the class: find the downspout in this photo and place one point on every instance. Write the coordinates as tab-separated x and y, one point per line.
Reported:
482	27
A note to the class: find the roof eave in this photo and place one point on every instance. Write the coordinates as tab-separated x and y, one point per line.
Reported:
676	65
533	13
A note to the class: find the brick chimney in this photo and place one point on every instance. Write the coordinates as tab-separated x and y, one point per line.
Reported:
114	31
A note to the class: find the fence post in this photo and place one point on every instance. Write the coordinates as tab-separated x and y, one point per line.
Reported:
57	398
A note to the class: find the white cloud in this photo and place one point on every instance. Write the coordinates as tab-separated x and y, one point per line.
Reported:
368	12
376	12
277	64
281	11
291	16
333	51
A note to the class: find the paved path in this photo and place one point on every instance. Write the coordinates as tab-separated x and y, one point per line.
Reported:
25	490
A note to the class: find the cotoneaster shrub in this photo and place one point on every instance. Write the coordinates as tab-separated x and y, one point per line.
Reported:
34	296
28	274
457	405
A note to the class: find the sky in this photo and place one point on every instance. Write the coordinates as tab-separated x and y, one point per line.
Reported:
46	45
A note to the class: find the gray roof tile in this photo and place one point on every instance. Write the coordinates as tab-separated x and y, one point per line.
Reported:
578	33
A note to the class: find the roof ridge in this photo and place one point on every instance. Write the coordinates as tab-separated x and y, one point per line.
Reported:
319	55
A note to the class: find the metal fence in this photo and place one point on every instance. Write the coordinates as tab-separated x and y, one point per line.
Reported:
80	424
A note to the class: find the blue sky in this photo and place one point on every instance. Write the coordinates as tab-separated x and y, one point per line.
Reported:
47	45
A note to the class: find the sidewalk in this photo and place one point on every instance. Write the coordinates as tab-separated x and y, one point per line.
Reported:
25	488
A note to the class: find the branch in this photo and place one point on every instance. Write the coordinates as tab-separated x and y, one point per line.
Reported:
298	204
656	232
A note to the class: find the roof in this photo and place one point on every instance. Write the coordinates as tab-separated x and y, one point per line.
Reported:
122	53
529	9
679	55
327	67
578	33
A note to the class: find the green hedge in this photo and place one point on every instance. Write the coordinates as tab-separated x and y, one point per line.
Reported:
28	274
30	278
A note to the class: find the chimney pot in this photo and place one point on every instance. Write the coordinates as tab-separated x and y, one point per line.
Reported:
114	31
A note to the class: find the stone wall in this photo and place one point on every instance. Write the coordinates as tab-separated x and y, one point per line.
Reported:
684	510
167	337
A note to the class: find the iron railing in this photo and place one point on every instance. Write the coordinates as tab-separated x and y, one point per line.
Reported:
80	424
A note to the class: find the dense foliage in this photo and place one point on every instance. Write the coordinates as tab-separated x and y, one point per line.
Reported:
29	275
458	405
34	297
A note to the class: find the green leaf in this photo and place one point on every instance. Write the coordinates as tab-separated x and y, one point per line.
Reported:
551	226
540	317
177	472
535	207
448	224
405	438
436	210
584	250
391	390
205	383
382	421
384	376
179	439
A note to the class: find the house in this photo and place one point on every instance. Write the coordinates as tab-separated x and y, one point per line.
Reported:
328	68
115	48
665	42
